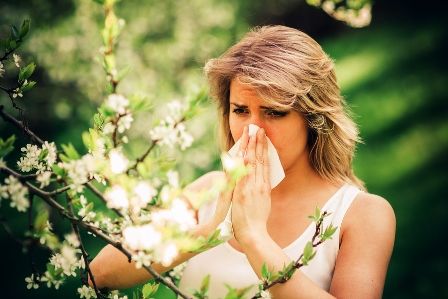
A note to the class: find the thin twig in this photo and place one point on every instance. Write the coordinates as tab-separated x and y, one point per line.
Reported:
18	124
297	264
84	253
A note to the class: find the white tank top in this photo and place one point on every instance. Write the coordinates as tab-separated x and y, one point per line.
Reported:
226	265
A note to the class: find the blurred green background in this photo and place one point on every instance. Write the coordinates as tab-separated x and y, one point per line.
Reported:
392	74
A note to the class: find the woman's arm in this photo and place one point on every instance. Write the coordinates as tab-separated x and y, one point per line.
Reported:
368	234
111	268
366	247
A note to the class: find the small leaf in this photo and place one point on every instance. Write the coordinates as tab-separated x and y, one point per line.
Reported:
70	152
316	216
12	44
26	72
265	272
43	154
205	284
308	253
329	231
6	146
14	32
149	289
40	222
25	28
58	170
28	86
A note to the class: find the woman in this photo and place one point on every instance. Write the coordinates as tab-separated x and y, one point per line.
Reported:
279	79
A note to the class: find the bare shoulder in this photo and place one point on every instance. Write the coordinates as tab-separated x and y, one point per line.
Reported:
370	212
206	181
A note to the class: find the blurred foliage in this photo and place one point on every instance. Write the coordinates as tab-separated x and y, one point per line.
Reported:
392	73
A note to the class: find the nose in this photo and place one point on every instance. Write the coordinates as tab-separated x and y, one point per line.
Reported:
256	120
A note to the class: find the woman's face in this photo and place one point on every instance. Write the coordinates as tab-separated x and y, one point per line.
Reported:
285	128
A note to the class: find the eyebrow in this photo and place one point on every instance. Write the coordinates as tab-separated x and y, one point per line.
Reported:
245	106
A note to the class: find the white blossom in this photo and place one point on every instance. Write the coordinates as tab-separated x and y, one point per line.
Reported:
88	216
108	128
141	259
66	260
117	103
143	194
51	157
176	108
31	158
178	271
86	292
51	280
178	214
17	60
17	93
171	130
116	198
265	294
32	282
124	123
72	239
80	171
118	162
173	178
144	237
230	163
166	253
44	178
116	295
16	192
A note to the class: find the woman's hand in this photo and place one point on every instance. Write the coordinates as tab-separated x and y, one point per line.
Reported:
252	195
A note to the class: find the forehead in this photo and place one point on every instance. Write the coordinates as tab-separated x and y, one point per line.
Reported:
245	94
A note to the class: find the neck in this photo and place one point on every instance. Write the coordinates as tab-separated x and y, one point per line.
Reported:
300	179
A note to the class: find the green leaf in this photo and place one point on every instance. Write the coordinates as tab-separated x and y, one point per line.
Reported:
149	290
40	222
317	214
6	146
24	28
28	86
98	121
12	44
26	72
205	284
70	153
308	253
265	272
14	32
233	293
329	231
58	170
43	154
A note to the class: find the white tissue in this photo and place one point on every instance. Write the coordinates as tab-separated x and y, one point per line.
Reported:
276	170
276	176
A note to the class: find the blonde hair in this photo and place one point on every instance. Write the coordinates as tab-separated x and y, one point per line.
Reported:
289	69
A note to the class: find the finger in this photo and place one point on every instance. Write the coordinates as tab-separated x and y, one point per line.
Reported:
259	169
250	156
266	165
244	141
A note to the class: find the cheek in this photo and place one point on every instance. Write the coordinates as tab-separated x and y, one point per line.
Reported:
236	128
